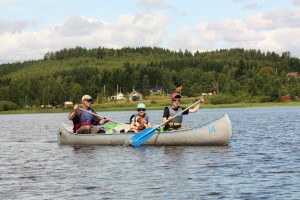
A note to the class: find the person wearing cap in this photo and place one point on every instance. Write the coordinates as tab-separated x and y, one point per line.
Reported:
173	109
140	121
86	122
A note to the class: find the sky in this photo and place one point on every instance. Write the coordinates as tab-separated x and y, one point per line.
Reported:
31	28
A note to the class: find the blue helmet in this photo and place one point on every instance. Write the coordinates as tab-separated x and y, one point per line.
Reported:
141	105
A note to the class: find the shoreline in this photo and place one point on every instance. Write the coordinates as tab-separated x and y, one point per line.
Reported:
132	107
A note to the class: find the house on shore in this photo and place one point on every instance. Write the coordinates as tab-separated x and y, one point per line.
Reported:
157	90
68	103
135	96
119	96
293	74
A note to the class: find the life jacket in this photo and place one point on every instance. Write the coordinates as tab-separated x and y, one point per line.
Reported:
136	120
177	121
84	119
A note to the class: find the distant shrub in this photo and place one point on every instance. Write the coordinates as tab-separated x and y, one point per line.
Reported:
7	105
224	99
265	99
153	102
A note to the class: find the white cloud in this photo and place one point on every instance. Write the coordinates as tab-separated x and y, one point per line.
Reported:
183	40
139	30
252	6
13	27
149	4
296	2
129	30
79	26
274	31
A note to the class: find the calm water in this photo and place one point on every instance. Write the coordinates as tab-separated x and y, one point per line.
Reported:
261	162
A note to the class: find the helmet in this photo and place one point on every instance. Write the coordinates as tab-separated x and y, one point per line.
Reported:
141	105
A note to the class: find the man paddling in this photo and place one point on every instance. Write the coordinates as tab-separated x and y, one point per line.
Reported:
86	122
173	109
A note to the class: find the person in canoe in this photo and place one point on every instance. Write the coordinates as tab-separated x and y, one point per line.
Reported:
140	121
173	109
83	119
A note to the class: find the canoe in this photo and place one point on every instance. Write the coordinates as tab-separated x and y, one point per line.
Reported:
215	133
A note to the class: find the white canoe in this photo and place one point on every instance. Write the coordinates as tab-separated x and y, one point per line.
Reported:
215	133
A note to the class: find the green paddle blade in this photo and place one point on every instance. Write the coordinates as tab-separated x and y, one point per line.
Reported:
110	127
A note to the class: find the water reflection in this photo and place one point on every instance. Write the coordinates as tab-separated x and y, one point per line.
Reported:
84	149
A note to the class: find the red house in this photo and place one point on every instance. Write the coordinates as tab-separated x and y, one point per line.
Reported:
68	103
286	98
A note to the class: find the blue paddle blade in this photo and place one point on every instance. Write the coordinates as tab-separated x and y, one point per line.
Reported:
140	138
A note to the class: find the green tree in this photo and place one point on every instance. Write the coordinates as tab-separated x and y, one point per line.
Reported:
267	88
252	87
234	87
76	93
145	85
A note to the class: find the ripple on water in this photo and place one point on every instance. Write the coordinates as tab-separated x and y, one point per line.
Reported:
261	162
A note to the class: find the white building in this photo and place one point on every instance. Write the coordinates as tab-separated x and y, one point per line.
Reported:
120	96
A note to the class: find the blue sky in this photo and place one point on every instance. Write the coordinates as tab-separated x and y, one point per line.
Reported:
31	28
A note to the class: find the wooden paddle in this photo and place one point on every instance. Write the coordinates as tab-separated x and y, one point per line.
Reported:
95	114
144	135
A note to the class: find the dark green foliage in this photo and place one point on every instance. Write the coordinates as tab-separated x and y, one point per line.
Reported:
145	85
7	105
153	102
224	99
69	73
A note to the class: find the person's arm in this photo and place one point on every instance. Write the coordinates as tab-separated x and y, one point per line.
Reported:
166	115
132	124
104	121
73	113
195	109
148	125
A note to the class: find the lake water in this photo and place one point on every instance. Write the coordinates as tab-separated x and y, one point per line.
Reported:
261	162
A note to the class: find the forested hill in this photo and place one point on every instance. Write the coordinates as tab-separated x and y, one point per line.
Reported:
69	73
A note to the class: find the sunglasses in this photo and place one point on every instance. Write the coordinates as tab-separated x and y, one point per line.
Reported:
176	100
89	100
141	109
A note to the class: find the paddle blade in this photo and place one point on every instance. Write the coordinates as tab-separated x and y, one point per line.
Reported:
140	138
112	126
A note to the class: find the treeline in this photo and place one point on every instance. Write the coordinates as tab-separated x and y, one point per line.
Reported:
69	73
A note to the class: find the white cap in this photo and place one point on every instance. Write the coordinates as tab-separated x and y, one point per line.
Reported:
86	97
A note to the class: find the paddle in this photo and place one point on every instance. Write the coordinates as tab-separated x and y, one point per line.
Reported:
144	135
95	114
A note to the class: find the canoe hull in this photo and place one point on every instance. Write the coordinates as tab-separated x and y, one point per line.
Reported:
215	133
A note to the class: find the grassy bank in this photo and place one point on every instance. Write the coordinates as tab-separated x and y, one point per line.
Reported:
153	103
159	104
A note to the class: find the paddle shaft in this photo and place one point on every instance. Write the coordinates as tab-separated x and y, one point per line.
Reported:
95	114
